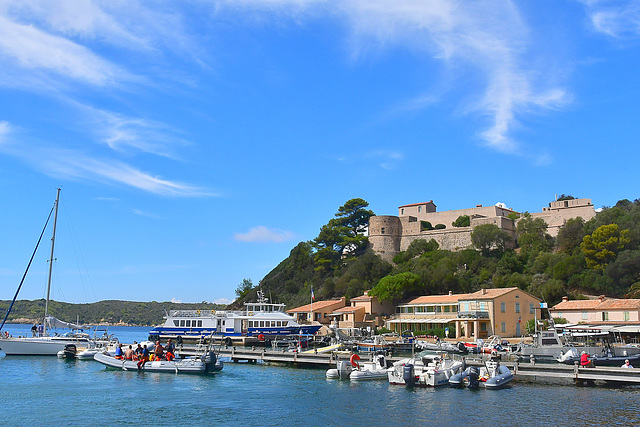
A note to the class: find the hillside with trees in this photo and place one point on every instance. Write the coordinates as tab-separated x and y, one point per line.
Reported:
103	312
601	256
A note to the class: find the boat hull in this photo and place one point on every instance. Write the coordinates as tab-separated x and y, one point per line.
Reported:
38	346
191	365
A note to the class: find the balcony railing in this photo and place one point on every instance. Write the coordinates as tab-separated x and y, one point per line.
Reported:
474	314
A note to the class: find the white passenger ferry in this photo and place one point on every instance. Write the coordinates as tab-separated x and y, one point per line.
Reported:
262	319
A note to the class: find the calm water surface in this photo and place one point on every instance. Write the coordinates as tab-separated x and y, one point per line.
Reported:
50	391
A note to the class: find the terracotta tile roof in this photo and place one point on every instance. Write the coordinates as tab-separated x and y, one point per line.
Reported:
319	305
436	299
348	309
362	298
416	204
598	305
490	293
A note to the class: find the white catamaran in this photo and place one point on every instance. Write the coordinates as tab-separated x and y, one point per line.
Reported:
43	343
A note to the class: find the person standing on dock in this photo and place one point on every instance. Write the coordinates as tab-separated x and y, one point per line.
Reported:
627	364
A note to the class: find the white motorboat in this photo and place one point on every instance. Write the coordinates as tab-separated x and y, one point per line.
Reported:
374	370
425	369
43	342
193	365
493	375
262	319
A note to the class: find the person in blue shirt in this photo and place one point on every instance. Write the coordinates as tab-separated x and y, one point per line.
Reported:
144	358
119	354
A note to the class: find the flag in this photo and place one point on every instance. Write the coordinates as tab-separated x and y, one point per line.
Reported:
313	297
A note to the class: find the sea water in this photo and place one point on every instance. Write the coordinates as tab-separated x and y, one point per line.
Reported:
39	391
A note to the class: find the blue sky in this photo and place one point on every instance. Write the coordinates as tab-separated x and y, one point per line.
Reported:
198	142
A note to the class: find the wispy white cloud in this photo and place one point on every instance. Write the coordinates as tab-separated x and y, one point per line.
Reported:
122	133
619	19
386	159
4	130
29	48
224	301
263	234
176	300
146	214
484	41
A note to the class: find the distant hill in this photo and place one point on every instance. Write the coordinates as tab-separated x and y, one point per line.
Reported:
110	312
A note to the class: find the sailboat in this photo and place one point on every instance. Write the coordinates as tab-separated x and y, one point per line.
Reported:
43	343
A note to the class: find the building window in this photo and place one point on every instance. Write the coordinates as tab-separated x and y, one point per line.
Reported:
503	327
382	230
584	315
605	315
517	307
402	211
419	208
447	309
483	306
503	307
625	315
483	327
531	309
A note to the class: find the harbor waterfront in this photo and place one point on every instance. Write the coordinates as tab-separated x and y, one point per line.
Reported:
50	391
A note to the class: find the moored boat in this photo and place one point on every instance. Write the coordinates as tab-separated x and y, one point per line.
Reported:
425	369
493	375
373	370
261	320
193	365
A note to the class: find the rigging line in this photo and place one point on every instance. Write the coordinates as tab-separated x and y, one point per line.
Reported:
79	258
28	266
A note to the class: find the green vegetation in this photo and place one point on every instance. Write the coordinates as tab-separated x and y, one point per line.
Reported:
545	267
110	312
601	256
462	221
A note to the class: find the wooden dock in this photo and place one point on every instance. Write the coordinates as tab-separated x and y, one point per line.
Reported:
521	370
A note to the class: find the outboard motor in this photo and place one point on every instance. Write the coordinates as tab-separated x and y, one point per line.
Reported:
473	377
70	351
209	360
409	375
463	348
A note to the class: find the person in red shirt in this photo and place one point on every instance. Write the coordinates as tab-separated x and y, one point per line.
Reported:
584	360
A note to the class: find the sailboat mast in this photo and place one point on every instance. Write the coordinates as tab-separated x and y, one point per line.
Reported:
53	241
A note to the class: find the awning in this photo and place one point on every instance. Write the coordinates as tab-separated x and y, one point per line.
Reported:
627	329
421	320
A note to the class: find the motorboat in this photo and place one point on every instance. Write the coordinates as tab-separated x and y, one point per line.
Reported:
192	365
262	320
425	369
373	370
493	375
607	357
442	346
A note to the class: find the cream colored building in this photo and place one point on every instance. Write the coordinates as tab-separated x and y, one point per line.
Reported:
426	312
597	311
363	311
500	311
318	311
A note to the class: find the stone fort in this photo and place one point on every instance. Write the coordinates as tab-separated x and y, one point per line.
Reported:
388	235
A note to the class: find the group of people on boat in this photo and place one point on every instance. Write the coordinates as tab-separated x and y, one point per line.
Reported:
142	355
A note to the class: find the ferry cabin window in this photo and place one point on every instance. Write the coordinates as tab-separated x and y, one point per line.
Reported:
182	323
176	323
199	323
517	307
503	308
262	323
503	327
188	323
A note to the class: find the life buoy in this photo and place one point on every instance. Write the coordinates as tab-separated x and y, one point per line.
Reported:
198	312
213	312
354	361
261	337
